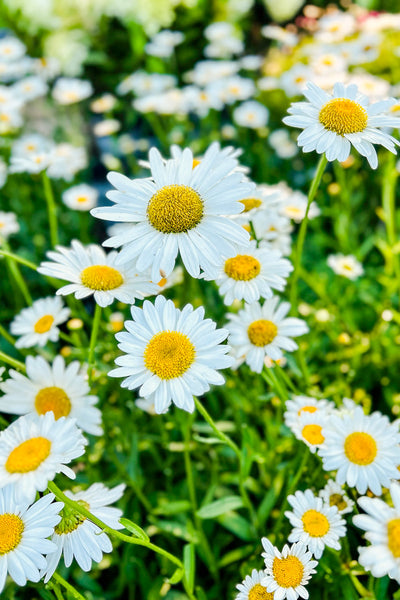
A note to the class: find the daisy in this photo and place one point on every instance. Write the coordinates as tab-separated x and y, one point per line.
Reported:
258	331
79	538
295	205
382	527
30	88
178	209
106	127
251	588
334	495
11	49
347	266
287	572
23	533
68	90
8	224
251	114
251	274
273	228
66	160
104	103
299	405
91	271
333	123
309	428
315	524
172	354
38	324
57	388
363	448
80	197
34	448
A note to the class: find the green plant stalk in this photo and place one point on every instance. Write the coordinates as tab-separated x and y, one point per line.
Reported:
18	259
16	273
51	208
117	534
93	339
6	335
70	588
389	208
303	230
13	362
292	487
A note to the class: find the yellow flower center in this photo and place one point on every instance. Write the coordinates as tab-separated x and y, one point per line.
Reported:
44	324
337	500
250	203
11	530
70	520
53	399
360	448
195	163
28	456
175	209
312	434
162	282
81	199
169	354
310	409
259	592
393	528
101	277
342	115
242	267
288	572
262	332
315	523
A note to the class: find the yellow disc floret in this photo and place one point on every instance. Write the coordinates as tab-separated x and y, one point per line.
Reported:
393	529
360	448
315	523
337	500
259	592
312	433
343	115
262	332
288	572
53	399
11	530
44	324
310	409
242	267
175	209
28	456
169	354
70	520
250	203
101	278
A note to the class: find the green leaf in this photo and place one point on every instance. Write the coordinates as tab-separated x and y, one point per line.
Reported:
219	507
189	563
236	555
172	508
237	525
135	529
176	577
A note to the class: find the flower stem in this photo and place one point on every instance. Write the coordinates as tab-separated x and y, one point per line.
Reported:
93	339
4	333
389	208
18	259
303	230
70	588
51	208
16	273
13	362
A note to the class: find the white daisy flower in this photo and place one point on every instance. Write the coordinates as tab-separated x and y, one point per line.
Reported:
29	88
34	162
66	160
295	205
251	588
38	324
23	533
80	197
104	103
79	538
251	274
11	49
251	114
176	278
347	266
334	123
57	388
334	495
273	228
315	524
287	572
106	127
179	209
171	354
91	271
34	448
363	448
382	527
258	331
8	224
68	90
299	405
309	428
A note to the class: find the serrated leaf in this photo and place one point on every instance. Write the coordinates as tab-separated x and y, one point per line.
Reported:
219	507
135	529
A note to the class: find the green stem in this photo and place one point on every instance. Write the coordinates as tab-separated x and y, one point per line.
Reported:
18	259
6	335
12	361
389	209
303	230
70	588
51	208
16	273
292	487
93	339
364	593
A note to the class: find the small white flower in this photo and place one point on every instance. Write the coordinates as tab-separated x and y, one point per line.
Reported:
251	588
38	324
11	49
57	388
258	331
30	88
315	524
69	90
334	495
287	572
106	127
66	160
91	271
103	104
80	197
34	448
309	428
8	224
347	266
251	114
299	405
